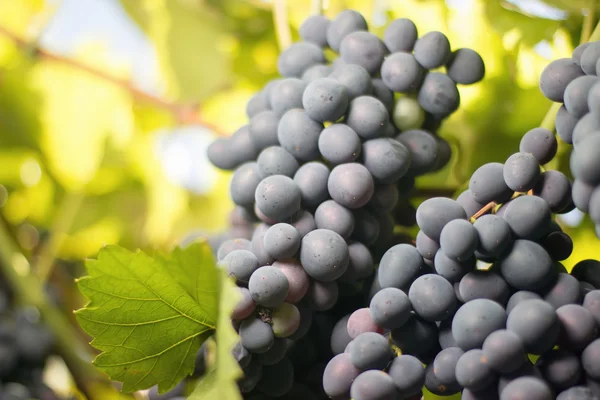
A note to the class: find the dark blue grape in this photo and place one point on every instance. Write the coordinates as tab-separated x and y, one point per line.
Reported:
252	374
475	320
434	213
304	222
324	255
373	385
256	335
339	336
386	159
521	172
556	77
312	179
555	188
438	95
299	134
322	296
586	126
325	99
282	241
275	354
520	296
257	104
541	143
494	234
316	71
416	337
565	124
527	388
400	35
268	286
488	393
263	129
370	350
314	30
240	264
399	266
335	217
339	375
529	217
339	144
432	50
366	227
297	58
577	327
258	245
581	193
384	94
481	284
504	351
536	323
408	375
426	246
450	269
437	387
232	244
527	266
587	271
402	73
467	200
565	290
345	22
423	149
286	95
390	308
364	49
487	184
560	368
385	198
432	297
591	302
473	371
576	393
444	365
360	265
219	154
589	57
367	116
351	185
465	66
576	95
590	359
278	197
585	166
459	240
355	78
274	160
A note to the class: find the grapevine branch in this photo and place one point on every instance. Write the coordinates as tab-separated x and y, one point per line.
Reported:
316	7
282	26
183	113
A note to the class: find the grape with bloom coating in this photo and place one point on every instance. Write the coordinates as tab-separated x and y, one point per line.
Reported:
339	144
324	255
351	185
339	375
325	99
268	286
390	308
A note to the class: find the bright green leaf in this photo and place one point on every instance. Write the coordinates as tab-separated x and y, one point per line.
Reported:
146	325
220	381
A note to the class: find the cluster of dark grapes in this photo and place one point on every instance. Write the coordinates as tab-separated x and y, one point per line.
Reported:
574	82
323	173
25	344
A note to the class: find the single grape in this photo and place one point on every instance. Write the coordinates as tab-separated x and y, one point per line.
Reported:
494	234
520	296
299	134
416	337
437	387
576	393
565	124
282	241
555	188
450	269
339	144
245	306
473	371
400	35
370	350
432	50
298	57
339	335
314	30
383	93
345	22
325	99
360	321
355	78
560	368
363	48
304	222
566	290
324	255
402	73
335	217
541	143
297	278
252	374
587	271
521	172
315	72
445	338
426	246
277	379
360	265
273	160
268	286
589	57
434	213
278	197
399	266
591	302
232	244
527	266
240	264
444	365
504	351
258	245
585	166
577	327
367	116
588	125
590	359
322	296
576	95
438	95
467	200
465	66
481	284
536	323
581	193
529	217
487	184
475	320
339	375
408	375
256	335
351	185
423	148
390	308
373	385
385	198
556	77
243	184
386	159
219	154
286	95
432	297
527	388
257	104
459	239
408	114
312	179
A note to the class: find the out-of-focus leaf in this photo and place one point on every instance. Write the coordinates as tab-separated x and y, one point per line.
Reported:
79	113
34	203
189	45
86	242
17	16
574	6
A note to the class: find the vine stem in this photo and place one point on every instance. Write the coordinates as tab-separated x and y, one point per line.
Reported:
316	7
282	27
588	22
65	216
184	113
28	290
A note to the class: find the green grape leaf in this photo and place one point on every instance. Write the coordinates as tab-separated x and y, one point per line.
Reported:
220	380
146	325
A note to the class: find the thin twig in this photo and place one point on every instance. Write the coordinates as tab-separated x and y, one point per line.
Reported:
282	26
588	22
184	113
316	7
488	207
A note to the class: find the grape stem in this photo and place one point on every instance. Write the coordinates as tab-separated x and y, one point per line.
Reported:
282	26
316	7
588	22
488	207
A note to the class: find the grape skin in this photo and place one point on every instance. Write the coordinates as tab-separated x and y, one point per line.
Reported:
526	388
577	327
529	217
438	95
444	365
541	143
434	213
298	57
399	266
465	67
366	116
339	336
576	393
384	94
426	246
566	290
402	73
400	35
373	385
355	78
325	99
335	217
351	185
432	297
587	271
314	30
285	320
521	172
339	375
536	323
408	375
339	144
312	179
581	193
299	134
423	148
416	337
590	359
560	368
385	198
589	57
370	350
240	264
494	235
257	104
459	239
467	200
232	244
452	270
487	184
586	164
273	160
407	114
363	48
432	50
475	320
322	296
386	159
324	255
481	284
587	125
472	370
390	308
555	188
527	266
556	76
297	278
258	245
245	306
360	265
278	197
435	386
504	351
286	95
576	95
343	24
316	71
252	374
275	354
360	321
591	302
565	124
256	335
282	241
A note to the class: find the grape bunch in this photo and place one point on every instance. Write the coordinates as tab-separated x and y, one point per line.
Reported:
323	173
574	82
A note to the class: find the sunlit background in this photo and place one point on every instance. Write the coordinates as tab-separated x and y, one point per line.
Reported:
107	107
